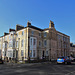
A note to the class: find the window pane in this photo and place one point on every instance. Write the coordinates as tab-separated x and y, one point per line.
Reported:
45	34
34	42
32	32
40	34
33	53
22	43
45	42
22	52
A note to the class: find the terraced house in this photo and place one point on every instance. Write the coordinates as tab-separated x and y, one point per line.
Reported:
34	43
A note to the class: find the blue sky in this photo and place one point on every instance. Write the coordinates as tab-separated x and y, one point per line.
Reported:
61	12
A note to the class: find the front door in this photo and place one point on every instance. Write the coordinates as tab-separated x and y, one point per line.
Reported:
43	53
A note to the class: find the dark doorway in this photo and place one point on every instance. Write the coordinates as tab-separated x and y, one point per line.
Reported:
43	53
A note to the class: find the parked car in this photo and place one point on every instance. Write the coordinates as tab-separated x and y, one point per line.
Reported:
72	58
64	60
1	61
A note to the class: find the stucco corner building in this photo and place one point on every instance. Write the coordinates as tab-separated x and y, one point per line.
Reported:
34	43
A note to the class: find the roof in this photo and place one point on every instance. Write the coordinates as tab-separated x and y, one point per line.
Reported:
35	27
63	33
72	45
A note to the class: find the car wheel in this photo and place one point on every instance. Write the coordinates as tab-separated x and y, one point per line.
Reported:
65	62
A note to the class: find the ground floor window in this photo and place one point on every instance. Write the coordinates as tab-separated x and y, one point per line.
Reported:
46	53
10	54
33	53
3	53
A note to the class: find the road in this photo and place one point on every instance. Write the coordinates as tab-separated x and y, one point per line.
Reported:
37	69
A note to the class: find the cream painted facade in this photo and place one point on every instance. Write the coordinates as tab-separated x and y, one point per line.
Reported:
34	43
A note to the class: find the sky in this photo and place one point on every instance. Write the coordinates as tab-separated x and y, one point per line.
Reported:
39	13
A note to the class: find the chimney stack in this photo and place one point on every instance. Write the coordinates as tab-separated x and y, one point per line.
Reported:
51	24
28	23
19	27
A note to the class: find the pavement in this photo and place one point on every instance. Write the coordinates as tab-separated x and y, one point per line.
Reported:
45	68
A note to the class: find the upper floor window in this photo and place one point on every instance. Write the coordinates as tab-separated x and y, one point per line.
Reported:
5	38
22	32
11	43
22	53
45	34
17	44
39	43
45	42
58	36
9	37
17	34
64	38
22	43
46	52
39	34
32	32
5	45
31	41
0	46
34	42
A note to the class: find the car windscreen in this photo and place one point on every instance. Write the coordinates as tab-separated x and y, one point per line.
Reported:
60	57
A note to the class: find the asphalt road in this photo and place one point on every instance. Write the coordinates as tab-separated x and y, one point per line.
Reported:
37	69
